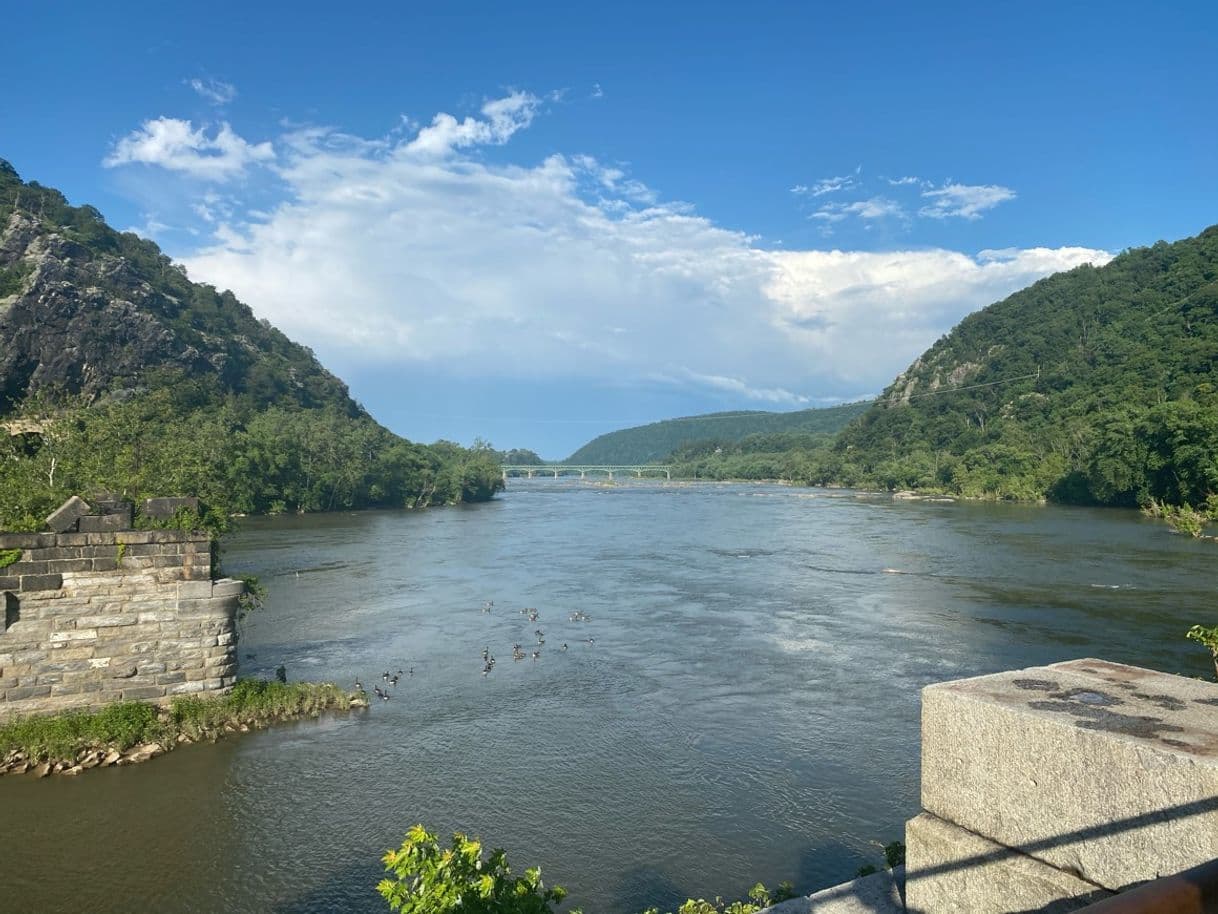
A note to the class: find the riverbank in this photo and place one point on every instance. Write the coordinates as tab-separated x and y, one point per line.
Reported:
129	732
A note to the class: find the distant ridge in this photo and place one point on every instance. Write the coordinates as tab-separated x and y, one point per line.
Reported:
658	440
1096	385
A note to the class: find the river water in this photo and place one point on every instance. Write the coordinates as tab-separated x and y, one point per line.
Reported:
748	711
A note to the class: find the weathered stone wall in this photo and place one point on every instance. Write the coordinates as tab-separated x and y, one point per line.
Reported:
91	618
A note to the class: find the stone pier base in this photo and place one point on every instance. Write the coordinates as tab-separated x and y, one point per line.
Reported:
1049	788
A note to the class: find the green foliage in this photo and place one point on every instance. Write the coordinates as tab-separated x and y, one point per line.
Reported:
894	856
9	557
759	897
254	597
59	736
235	459
425	878
519	457
1091	386
655	442
252	702
1207	638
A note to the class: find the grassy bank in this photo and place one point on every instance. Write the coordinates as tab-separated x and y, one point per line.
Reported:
135	731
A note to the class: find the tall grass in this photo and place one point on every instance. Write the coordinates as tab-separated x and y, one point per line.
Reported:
252	703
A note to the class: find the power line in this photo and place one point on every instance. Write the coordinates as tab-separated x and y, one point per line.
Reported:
952	390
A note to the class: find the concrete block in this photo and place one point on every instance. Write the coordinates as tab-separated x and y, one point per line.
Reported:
143	692
166	508
66	652
82	687
25	540
228	587
82	634
64	518
194	590
71	539
25	692
62	566
950	870
60	552
131	537
103	523
1095	768
41	582
185	688
115	620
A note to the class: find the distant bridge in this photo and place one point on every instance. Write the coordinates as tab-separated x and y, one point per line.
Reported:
584	470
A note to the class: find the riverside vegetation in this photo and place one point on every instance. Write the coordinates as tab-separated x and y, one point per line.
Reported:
425	878
135	731
1094	386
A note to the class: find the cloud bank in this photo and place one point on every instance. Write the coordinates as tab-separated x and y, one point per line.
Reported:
417	251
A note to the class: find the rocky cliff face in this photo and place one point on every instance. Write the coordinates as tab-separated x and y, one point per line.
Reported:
85	310
75	325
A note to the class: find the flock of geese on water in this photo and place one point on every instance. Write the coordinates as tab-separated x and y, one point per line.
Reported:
488	659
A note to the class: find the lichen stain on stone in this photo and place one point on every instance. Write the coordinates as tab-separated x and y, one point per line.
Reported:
1086	696
1090	717
1166	702
1039	685
1206	701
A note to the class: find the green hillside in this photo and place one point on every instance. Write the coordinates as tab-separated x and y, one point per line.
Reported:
1095	385
659	440
144	383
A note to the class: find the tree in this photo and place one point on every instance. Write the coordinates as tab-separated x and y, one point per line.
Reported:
426	879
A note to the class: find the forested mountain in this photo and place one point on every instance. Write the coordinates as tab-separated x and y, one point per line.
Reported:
145	383
1095	385
659	440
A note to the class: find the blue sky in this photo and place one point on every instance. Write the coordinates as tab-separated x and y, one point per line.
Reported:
536	222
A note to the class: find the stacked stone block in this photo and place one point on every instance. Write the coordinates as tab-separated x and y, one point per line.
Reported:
1050	788
91	618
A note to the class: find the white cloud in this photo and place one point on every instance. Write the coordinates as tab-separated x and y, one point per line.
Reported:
503	117
177	146
415	252
827	186
873	208
597	91
871	314
775	395
965	201
214	91
905	181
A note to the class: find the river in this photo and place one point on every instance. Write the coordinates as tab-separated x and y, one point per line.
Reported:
748	709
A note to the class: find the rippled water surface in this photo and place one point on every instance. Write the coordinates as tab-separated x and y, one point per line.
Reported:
749	709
